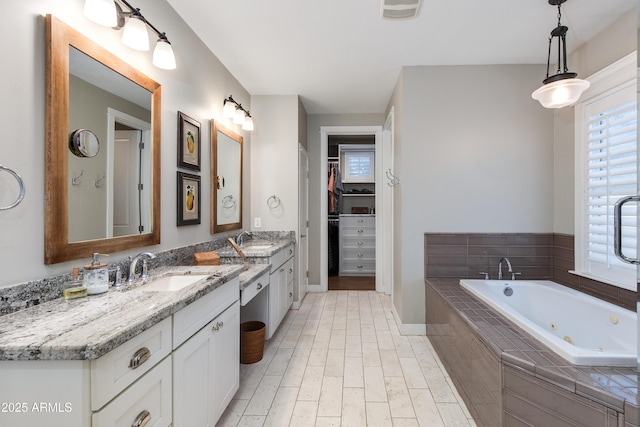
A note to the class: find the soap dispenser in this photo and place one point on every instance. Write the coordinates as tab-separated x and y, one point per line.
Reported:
96	276
75	287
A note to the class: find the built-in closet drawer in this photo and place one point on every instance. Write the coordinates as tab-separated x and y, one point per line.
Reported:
363	253
357	245
358	267
116	370
149	398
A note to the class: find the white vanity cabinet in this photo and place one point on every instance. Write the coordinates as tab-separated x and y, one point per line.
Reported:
280	288
206	357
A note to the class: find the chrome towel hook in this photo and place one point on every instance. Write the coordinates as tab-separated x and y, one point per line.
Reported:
393	180
20	183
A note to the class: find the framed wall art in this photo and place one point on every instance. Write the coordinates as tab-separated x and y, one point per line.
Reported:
188	142
188	199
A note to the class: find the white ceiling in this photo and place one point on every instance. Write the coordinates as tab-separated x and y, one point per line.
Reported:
341	57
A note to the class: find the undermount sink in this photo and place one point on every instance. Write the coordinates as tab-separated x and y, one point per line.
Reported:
172	283
256	247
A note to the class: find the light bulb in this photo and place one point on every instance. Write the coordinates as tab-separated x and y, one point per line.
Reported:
135	34
101	12
163	56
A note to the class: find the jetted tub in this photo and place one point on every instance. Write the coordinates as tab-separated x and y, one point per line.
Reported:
580	328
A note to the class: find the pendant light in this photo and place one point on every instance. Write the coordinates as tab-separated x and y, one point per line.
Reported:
163	56
235	111
563	88
101	12
135	33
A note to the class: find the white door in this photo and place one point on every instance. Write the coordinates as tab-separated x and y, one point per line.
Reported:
126	213
390	180
303	225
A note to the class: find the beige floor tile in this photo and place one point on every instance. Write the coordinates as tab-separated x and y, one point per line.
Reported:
353	372
311	383
261	401
340	361
399	398
374	386
412	373
378	414
425	407
304	414
330	404
282	407
353	407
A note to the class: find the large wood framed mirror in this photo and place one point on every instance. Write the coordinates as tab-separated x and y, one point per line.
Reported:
226	179
108	201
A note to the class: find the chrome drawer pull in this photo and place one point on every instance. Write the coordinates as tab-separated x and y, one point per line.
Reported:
139	357
290	294
142	419
360	266
291	270
360	231
259	286
217	326
360	243
360	255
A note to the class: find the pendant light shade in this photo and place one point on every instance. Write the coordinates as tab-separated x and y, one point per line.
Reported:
101	12
135	33
563	88
163	56
239	117
560	93
229	108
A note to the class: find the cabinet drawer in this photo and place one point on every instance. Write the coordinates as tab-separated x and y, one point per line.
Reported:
362	253
358	221
190	319
254	289
150	395
113	372
358	267
358	242
358	231
278	259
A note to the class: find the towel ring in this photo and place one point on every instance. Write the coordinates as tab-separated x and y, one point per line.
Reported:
228	202
22	189
273	202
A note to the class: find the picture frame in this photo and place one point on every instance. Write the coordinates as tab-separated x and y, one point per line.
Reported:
189	145
188	199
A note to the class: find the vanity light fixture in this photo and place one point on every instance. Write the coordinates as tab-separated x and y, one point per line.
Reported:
240	116
110	13
563	88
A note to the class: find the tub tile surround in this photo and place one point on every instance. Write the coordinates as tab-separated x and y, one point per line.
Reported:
456	318
538	256
24	295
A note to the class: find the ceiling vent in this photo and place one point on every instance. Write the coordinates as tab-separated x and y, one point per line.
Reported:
399	9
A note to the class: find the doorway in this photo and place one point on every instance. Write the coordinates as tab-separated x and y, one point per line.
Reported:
363	198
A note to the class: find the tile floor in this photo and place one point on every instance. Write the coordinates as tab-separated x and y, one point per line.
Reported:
340	361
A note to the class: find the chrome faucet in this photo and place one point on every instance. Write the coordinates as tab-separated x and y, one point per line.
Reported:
133	262
500	268
240	236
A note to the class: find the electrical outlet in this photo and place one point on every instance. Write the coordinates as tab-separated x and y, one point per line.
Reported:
257	222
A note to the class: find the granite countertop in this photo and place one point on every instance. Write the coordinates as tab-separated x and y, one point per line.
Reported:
87	328
613	386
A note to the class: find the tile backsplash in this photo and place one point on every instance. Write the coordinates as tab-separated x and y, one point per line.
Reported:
537	256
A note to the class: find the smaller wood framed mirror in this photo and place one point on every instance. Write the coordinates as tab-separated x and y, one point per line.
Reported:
226	179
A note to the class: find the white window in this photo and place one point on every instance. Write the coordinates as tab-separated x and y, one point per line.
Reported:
607	170
357	163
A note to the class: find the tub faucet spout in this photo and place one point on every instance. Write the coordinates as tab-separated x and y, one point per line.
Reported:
500	267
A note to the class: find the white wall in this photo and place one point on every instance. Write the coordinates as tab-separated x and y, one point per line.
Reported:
197	87
274	162
476	155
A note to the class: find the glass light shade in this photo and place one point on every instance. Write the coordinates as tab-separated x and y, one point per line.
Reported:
229	109
101	12
135	34
248	123
239	117
163	56
560	93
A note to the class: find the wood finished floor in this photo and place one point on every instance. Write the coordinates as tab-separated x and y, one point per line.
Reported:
352	283
340	361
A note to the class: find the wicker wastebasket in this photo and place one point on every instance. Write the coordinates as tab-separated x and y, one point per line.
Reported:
251	341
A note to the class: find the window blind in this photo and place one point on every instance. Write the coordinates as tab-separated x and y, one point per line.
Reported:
611	174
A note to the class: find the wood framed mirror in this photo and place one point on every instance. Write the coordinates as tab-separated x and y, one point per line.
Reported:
226	179
84	210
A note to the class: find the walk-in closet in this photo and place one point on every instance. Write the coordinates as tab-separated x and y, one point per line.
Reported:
351	212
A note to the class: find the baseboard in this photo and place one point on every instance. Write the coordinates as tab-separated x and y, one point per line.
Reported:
408	328
314	288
